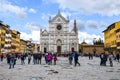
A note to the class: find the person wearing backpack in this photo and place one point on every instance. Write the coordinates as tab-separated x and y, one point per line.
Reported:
75	56
111	58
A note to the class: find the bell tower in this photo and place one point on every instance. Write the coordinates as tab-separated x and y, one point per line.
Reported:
75	27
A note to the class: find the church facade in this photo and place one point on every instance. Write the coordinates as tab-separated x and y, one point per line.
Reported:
59	38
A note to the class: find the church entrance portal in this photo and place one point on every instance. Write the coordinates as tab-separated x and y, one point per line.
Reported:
45	50
59	49
59	44
72	49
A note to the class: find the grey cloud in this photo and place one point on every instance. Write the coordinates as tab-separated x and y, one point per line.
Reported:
102	7
86	25
81	26
33	26
92	24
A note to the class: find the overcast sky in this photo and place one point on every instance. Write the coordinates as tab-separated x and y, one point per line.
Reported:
29	16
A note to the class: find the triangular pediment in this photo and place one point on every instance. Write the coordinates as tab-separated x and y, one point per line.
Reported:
59	18
45	32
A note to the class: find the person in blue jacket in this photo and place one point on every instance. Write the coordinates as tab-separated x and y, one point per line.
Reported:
75	56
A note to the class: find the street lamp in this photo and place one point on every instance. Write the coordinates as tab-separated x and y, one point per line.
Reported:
94	42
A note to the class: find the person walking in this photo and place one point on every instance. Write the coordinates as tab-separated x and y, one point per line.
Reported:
1	57
39	58
12	61
70	58
75	55
90	56
29	58
55	59
46	54
8	58
49	57
22	59
118	57
101	59
111	58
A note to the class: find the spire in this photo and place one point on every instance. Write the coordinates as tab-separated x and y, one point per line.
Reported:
58	11
40	31
67	17
75	27
49	17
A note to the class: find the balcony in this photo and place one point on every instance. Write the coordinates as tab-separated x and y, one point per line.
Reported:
8	35
18	40
7	40
14	32
7	45
113	46
3	31
2	36
2	42
13	47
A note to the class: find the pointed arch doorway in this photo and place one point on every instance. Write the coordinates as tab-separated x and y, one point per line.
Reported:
45	49
59	46
72	49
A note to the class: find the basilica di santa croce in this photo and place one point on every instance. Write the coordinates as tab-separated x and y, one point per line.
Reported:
59	38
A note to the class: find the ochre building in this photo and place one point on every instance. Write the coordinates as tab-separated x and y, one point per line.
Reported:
95	49
5	38
111	38
23	46
15	41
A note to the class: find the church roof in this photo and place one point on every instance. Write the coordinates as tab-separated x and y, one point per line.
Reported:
83	42
59	15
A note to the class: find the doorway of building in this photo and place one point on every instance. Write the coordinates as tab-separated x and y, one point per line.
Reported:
72	49
58	49
45	50
59	46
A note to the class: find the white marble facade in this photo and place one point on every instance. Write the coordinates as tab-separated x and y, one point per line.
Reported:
59	38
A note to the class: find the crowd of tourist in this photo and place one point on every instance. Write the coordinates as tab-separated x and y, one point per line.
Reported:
36	58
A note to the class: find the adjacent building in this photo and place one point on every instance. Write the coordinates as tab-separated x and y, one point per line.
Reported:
118	39
95	49
111	37
10	41
15	41
59	38
5	38
7	45
23	46
2	36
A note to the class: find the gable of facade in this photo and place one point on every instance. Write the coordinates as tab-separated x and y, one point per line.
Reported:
58	38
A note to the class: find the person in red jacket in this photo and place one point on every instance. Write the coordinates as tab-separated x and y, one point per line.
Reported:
1	57
55	59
